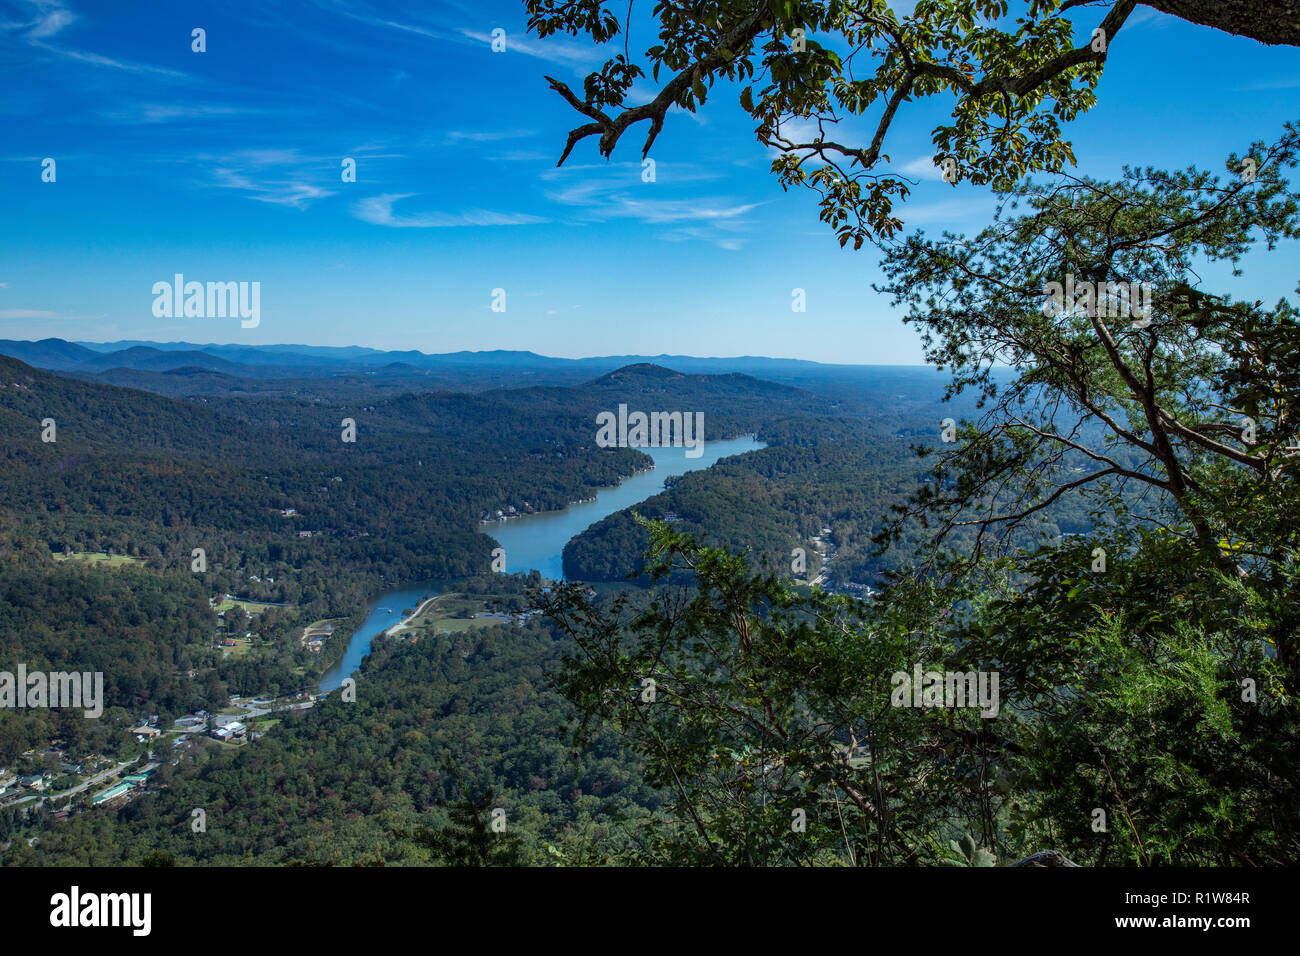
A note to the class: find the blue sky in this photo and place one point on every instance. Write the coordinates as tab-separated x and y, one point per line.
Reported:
225	165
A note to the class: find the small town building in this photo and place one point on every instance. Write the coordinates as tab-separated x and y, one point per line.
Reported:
110	794
230	731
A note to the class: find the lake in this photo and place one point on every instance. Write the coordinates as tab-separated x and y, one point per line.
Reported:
385	611
537	541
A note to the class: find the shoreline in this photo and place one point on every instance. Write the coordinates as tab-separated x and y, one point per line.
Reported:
405	622
484	524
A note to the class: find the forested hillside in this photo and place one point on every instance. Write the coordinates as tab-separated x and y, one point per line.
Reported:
848	475
438	723
283	510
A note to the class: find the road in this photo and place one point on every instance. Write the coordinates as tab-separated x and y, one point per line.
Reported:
92	781
77	789
272	709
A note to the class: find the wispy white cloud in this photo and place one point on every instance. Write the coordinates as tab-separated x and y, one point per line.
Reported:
1145	16
271	157
947	211
616	191
706	209
48	18
278	176
526	156
413	29
26	314
1285	83
284	177
96	59
722	233
378	210
487	135
43	18
667	175
553	49
50	22
178	112
922	167
282	192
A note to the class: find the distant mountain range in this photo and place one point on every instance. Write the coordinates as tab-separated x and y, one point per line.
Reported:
246	360
314	373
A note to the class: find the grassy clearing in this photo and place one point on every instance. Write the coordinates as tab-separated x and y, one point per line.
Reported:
449	613
456	624
317	628
252	607
97	557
